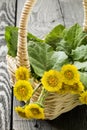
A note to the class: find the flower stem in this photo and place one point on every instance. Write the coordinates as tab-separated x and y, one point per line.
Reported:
33	92
42	97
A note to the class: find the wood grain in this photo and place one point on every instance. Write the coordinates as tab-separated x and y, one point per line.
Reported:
45	15
72	11
7	17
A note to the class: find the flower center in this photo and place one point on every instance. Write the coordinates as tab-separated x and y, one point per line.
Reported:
22	91
35	111
65	86
74	87
22	76
52	81
69	74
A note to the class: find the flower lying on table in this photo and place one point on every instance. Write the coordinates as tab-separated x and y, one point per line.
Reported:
58	64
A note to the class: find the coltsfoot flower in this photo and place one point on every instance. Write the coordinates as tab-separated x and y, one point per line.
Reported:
22	73
70	74
77	88
52	80
23	90
34	111
83	98
20	111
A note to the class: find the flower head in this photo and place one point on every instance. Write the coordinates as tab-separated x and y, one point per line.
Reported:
35	111
70	74
83	98
22	73
64	89
77	88
52	80
23	90
20	111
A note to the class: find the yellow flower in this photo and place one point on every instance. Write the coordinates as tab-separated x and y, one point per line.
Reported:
23	90
52	80
83	98
77	88
21	112
70	74
22	73
64	89
34	111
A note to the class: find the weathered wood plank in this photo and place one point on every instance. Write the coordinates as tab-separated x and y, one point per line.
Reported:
45	15
7	17
32	125
72	11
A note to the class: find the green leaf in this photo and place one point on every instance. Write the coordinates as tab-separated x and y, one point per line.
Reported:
72	38
81	39
64	46
31	37
83	78
81	65
43	58
11	37
74	35
54	36
39	56
80	53
59	59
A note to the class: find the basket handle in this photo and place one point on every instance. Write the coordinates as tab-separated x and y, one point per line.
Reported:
22	53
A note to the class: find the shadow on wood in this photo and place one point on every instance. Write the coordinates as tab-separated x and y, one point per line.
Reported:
75	119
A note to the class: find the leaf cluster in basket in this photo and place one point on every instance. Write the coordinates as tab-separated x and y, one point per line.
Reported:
58	64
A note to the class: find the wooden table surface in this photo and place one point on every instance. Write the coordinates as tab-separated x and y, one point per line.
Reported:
45	15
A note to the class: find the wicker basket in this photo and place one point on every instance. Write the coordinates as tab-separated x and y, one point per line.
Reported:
54	104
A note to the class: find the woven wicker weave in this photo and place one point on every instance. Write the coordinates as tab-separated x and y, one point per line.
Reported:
54	104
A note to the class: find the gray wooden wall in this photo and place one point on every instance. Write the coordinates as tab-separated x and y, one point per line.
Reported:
45	15
7	17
